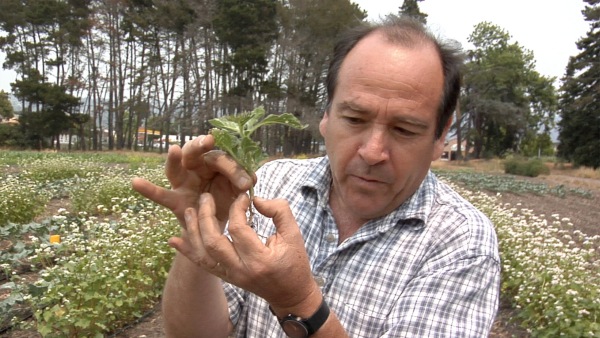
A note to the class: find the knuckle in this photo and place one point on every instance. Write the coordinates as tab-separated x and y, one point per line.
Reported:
212	245
202	260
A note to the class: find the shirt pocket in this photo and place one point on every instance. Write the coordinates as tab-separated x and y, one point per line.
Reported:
362	321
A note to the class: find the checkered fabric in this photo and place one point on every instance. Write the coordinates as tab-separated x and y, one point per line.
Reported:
429	269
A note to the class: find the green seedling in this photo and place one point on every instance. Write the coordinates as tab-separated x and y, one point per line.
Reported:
233	135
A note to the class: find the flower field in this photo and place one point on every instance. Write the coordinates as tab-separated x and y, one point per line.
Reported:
108	258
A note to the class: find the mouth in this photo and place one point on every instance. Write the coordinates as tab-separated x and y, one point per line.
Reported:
369	180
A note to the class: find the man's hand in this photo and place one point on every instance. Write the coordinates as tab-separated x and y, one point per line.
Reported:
195	169
277	271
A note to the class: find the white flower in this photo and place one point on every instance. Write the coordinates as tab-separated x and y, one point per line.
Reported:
583	312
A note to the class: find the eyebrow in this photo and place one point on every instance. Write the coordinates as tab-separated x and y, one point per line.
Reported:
353	106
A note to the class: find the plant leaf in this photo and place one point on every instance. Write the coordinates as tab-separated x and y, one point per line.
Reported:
226	124
233	135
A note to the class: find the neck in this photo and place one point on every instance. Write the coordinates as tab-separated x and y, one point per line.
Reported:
347	221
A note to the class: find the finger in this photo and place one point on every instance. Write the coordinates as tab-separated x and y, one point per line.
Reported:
191	244
215	243
194	150
205	262
154	193
219	162
279	210
245	240
174	170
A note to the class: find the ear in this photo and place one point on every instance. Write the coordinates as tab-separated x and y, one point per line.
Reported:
323	124
438	145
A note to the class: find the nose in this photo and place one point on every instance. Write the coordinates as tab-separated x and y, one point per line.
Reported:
374	149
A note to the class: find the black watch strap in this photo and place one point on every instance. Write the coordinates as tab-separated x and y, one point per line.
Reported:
313	323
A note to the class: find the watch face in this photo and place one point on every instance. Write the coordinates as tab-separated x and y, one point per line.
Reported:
294	329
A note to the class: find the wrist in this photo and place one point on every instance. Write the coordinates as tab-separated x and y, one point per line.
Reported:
296	326
303	308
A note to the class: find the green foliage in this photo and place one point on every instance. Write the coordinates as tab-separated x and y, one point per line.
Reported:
537	145
233	135
525	167
411	8
549	271
505	97
580	100
248	28
58	168
56	103
23	238
12	158
11	136
105	273
21	200
505	183
107	193
6	108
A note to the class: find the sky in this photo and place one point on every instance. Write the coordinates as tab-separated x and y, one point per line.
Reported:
549	28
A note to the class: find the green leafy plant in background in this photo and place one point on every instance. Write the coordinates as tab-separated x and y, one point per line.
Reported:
233	134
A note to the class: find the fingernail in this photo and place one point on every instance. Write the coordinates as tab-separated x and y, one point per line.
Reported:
187	215
243	181
200	139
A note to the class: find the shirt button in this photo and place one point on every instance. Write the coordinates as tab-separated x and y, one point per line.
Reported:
330	238
320	281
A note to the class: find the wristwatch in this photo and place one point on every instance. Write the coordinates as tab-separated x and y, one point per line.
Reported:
297	327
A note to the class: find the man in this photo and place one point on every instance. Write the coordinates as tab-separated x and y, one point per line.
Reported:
364	242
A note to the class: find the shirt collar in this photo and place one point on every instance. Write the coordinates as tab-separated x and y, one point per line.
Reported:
416	208
319	179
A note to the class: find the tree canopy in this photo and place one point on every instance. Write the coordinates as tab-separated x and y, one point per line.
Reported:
142	69
6	108
579	126
170	66
506	102
411	8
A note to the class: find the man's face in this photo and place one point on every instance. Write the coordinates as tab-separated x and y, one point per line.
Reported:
379	131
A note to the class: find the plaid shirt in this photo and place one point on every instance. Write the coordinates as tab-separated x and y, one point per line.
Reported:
429	269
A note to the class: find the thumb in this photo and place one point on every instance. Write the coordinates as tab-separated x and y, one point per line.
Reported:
279	210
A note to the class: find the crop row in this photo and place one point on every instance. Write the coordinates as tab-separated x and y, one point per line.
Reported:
112	260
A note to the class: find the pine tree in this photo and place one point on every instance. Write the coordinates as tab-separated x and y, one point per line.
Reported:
6	108
411	8
580	100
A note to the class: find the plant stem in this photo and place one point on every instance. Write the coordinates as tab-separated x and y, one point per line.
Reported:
251	209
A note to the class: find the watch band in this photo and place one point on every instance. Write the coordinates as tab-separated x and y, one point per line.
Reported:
311	324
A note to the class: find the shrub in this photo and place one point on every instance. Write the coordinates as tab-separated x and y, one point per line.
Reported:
530	168
21	200
101	194
106	274
11	136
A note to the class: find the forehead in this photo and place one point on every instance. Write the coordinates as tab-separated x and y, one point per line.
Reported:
378	74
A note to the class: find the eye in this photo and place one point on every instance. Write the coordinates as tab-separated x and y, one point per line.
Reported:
404	132
353	120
